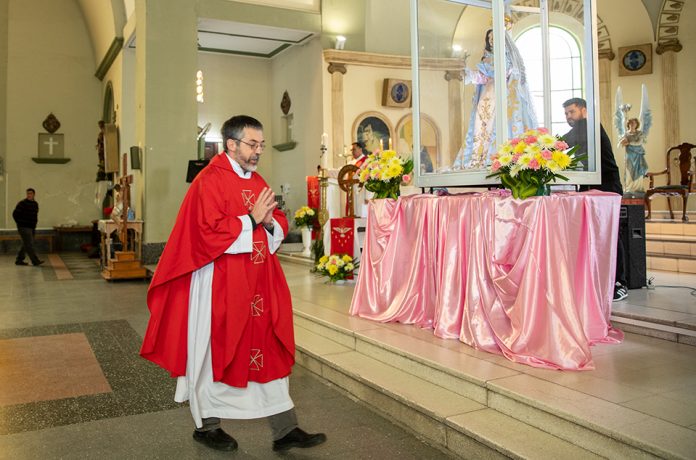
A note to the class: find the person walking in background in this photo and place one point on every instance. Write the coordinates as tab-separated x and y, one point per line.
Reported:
26	215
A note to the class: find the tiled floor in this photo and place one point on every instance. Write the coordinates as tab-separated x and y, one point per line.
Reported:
48	367
91	396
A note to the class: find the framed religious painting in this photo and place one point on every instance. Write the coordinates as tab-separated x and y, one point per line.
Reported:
374	130
396	93
429	141
635	60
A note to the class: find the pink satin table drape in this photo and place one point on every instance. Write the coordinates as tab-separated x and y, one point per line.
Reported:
529	279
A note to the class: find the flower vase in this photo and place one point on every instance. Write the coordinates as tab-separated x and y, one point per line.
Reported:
306	241
543	190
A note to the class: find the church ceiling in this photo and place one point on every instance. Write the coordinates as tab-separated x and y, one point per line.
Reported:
230	37
247	39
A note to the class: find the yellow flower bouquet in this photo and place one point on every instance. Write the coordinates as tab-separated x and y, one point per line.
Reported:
336	266
305	217
526	164
383	172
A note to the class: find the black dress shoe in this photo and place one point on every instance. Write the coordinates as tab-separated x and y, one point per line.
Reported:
216	439
298	438
21	262
37	263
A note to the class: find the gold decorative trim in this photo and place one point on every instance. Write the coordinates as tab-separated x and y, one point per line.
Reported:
669	45
668	27
333	67
607	54
454	75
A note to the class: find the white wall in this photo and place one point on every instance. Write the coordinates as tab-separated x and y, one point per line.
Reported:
298	71
51	69
236	85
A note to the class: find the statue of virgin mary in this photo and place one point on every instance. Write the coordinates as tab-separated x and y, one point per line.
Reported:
480	139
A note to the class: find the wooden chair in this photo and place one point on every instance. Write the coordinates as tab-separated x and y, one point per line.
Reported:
680	178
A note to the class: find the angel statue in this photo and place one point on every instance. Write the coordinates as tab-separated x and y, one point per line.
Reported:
632	137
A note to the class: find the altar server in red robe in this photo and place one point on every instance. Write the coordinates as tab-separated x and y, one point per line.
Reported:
221	315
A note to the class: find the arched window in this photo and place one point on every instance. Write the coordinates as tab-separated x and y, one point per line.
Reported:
566	72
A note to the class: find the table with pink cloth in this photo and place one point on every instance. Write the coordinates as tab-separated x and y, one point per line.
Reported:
530	279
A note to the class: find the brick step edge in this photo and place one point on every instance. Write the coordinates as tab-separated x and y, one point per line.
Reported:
670	238
670	256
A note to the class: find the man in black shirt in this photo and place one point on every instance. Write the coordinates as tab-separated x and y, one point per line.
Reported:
26	215
576	116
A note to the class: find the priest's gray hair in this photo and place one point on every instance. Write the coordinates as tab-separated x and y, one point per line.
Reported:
234	128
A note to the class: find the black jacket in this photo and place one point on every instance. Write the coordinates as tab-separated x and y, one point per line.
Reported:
611	181
26	213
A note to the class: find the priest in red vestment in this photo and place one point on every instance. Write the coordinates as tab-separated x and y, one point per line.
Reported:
359	153
220	308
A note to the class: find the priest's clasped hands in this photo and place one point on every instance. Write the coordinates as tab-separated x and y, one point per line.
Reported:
262	212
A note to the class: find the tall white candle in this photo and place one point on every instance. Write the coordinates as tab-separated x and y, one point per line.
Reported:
324	139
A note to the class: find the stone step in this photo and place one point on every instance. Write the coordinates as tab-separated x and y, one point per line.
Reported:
295	258
670	262
671	238
672	245
670	228
343	349
446	419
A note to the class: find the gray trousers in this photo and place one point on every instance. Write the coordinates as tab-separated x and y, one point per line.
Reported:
27	235
281	424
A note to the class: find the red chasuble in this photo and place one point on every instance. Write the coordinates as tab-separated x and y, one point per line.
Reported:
251	326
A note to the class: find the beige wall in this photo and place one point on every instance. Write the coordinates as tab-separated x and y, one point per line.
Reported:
99	17
235	85
626	33
4	23
686	66
639	31
297	71
51	71
165	107
362	92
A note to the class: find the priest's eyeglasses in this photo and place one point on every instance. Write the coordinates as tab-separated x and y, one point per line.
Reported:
253	145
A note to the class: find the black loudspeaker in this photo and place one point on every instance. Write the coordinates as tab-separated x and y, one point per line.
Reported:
135	157
632	234
194	167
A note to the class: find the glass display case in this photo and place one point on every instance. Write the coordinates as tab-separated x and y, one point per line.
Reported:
549	52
